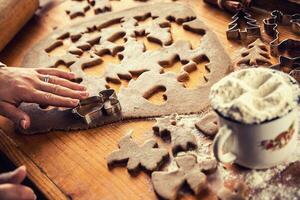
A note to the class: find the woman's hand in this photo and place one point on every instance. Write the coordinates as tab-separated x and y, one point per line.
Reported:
11	188
19	85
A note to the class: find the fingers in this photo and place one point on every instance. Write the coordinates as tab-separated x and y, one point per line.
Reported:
15	177
16	192
45	98
57	72
16	115
64	83
62	91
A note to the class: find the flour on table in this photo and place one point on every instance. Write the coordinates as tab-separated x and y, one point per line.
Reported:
261	182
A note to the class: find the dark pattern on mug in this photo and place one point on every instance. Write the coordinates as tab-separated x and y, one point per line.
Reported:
280	141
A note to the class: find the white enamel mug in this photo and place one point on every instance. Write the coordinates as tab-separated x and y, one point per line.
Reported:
256	146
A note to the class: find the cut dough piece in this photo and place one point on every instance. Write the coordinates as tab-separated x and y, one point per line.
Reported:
168	184
147	156
256	54
208	124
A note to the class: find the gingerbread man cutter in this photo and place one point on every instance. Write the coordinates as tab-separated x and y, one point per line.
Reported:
92	108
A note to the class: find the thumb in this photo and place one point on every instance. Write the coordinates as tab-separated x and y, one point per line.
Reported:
16	192
16	115
14	177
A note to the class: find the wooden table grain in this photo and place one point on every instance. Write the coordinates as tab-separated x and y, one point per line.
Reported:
71	165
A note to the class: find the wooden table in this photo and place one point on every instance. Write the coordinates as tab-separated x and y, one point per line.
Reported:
72	165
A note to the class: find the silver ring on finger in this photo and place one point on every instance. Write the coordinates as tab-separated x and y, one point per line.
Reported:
46	79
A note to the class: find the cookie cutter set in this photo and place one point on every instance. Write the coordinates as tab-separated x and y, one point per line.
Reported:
252	31
277	46
271	28
95	107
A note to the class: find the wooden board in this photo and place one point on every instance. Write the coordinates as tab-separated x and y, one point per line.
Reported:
72	165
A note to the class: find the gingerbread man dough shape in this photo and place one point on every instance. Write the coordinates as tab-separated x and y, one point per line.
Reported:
168	184
146	156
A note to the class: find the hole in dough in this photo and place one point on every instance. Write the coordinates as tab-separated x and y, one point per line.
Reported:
136	74
114	23
99	69
156	95
194	76
179	33
118	38
197	77
58	48
144	20
173	66
149	45
116	84
120	41
63	67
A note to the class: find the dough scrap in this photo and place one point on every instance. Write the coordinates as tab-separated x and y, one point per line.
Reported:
208	124
146	156
168	184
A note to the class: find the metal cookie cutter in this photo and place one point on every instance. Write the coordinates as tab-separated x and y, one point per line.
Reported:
251	32
271	28
289	65
296	23
92	108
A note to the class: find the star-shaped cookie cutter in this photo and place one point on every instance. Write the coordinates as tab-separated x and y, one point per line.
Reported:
291	64
252	30
92	108
296	24
271	28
